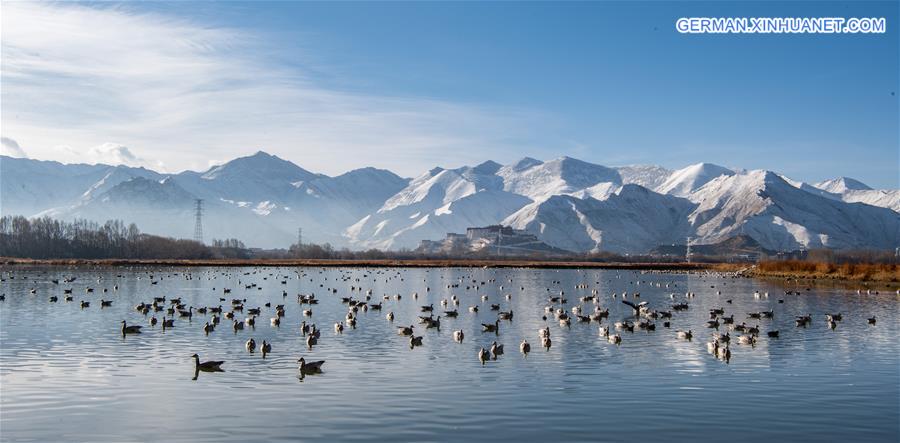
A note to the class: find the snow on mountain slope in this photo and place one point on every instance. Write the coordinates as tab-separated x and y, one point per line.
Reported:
406	226
163	207
841	185
782	217
256	178
885	198
437	202
571	204
851	191
631	220
28	187
650	177
439	186
810	188
115	176
565	175
686	180
367	184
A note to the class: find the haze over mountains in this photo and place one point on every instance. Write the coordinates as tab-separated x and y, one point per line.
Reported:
568	203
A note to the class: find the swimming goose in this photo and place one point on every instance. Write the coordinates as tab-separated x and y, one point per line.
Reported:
458	335
105	303
524	347
483	355
85	304
454	313
604	331
486	327
504	315
871	320
390	316
153	321
415	341
207	365
266	348
747	340
250	321
496	349
307	313
237	326
599	315
250	345
687	335
311	340
403	330
310	367
724	353
773	334
544	332
545	342
168	323
615	339
338	328
130	329
207	328
276	321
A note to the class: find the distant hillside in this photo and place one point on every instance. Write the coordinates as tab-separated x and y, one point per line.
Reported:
565	203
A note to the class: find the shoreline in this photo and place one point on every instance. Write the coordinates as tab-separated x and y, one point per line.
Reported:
740	269
372	263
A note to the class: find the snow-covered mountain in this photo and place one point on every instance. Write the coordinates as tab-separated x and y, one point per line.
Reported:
841	185
568	203
780	216
632	219
687	180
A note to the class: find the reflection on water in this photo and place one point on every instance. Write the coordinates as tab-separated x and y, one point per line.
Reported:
68	373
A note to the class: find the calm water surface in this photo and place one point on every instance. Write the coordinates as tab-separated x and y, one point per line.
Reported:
67	374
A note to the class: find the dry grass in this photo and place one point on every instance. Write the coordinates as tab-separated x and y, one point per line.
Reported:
881	272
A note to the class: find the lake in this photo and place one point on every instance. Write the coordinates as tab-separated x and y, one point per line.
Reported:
68	374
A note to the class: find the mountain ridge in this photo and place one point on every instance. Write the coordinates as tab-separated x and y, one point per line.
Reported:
569	203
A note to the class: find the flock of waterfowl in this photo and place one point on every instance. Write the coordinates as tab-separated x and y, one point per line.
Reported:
586	307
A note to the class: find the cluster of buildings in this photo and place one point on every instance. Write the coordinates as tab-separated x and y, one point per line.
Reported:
490	240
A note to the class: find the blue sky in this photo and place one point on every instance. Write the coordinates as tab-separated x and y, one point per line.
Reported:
407	86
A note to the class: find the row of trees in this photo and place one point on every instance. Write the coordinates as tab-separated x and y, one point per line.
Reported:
44	238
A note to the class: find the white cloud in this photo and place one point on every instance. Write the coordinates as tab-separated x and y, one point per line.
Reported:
176	90
11	148
110	154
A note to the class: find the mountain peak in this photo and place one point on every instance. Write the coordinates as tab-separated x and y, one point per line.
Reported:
488	167
525	163
842	184
690	178
262	165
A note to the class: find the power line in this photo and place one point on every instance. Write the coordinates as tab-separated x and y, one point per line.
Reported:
198	220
